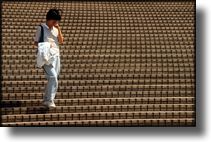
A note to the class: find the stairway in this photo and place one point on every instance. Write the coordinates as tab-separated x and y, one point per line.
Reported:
123	63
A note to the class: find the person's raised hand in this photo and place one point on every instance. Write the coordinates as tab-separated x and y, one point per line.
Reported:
56	26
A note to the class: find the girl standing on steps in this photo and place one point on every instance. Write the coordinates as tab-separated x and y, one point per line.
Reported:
52	34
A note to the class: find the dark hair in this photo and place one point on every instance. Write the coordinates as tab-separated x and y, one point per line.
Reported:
54	14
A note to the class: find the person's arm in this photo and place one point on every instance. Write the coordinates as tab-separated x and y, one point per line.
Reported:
60	36
37	36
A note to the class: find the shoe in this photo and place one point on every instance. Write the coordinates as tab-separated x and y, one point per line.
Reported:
49	104
45	103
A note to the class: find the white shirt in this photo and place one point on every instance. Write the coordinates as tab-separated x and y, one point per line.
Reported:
50	35
44	54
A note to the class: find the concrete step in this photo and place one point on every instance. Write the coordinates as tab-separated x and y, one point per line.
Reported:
135	48
82	73
97	61
98	116
111	122
101	101
105	77
101	94
97	108
182	68
82	88
98	82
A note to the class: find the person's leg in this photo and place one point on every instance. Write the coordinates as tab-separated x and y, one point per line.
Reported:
52	84
57	65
